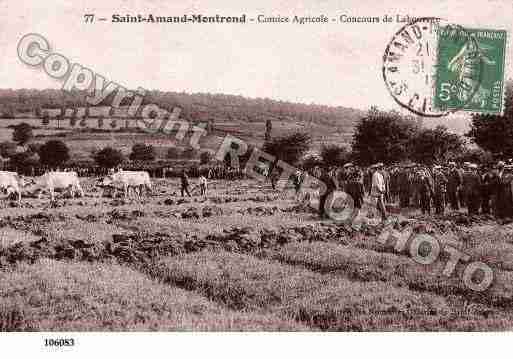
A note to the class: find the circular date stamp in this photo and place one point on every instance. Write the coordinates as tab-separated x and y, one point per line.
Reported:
410	67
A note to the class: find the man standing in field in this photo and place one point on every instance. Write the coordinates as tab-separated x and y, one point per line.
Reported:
331	187
273	177
343	175
404	186
297	181
425	192
184	180
440	182
504	195
378	189
498	185
354	187
203	185
486	190
454	181
472	188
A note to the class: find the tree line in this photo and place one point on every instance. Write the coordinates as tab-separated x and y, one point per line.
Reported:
194	107
379	136
55	153
389	137
392	138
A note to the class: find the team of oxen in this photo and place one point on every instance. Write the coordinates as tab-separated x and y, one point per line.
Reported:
12	183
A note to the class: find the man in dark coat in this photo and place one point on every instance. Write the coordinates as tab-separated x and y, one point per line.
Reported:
354	187
184	181
440	189
454	180
404	186
501	189
331	187
486	190
472	189
425	192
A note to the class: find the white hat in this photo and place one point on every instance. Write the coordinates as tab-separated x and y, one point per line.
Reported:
349	164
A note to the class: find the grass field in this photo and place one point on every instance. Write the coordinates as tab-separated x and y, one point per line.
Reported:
83	143
243	258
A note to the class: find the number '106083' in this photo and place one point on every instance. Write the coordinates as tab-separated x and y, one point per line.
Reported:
68	342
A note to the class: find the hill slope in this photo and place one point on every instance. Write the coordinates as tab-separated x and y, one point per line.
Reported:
237	115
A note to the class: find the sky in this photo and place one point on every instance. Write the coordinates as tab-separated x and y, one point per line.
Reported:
334	64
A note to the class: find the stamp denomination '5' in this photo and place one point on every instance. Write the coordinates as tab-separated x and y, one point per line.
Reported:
470	73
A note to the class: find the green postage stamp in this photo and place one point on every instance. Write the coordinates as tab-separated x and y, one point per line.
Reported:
470	69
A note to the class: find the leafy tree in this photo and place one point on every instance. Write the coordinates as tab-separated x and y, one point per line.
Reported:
24	160
174	153
143	152
109	157
190	153
289	148
494	133
22	133
7	149
383	137
334	155
54	153
206	157
34	147
474	155
434	145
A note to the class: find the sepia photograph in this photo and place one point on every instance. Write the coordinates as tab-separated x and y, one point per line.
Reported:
228	167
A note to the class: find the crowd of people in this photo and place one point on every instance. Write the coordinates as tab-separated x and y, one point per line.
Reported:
433	189
475	189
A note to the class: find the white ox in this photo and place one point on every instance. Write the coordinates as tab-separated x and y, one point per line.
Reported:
51	181
127	179
12	183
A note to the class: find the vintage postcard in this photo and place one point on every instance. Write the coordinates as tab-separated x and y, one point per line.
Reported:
291	166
